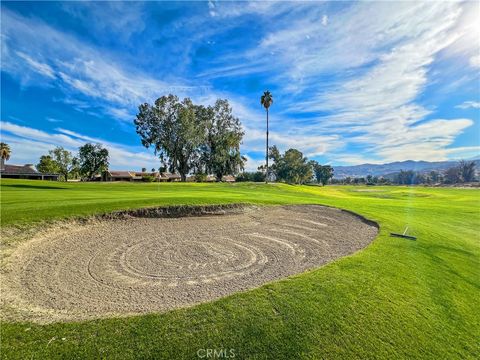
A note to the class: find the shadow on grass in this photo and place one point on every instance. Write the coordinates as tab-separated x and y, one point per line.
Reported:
28	186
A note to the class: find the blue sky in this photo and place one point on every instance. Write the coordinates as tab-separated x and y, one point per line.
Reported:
352	82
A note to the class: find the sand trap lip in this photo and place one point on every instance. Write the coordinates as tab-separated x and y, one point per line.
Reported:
132	266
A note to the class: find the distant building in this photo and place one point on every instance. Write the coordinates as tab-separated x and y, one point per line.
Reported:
26	171
125	175
213	178
228	178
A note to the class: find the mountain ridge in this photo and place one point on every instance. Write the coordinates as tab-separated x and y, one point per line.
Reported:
420	166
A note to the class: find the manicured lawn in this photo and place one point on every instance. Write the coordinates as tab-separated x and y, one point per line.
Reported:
395	299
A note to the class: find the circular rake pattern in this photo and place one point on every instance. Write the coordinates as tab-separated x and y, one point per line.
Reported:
142	265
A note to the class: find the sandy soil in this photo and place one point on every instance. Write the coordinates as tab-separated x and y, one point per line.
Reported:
142	265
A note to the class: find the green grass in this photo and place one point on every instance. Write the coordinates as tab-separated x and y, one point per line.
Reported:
395	299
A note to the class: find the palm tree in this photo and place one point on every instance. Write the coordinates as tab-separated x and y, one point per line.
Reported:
266	100
4	153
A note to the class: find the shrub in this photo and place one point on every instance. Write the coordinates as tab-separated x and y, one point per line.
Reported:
148	178
200	177
257	176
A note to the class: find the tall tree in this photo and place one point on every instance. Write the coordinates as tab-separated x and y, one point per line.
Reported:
407	177
47	165
266	100
93	160
5	153
66	162
291	167
171	127
453	175
221	151
323	173
467	170
434	176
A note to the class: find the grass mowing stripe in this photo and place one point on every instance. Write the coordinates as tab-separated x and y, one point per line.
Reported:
396	298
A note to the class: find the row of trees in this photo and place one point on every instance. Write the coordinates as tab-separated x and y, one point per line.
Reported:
464	172
192	138
92	159
290	167
294	168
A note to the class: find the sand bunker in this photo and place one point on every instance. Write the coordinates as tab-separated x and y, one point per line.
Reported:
141	265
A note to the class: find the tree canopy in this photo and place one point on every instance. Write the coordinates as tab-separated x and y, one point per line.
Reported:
221	149
291	167
323	173
467	170
65	161
189	137
47	165
93	160
266	100
5	151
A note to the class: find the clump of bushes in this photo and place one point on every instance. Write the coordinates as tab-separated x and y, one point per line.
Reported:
200	177
256	176
148	178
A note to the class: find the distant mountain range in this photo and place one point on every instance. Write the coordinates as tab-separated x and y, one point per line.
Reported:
390	169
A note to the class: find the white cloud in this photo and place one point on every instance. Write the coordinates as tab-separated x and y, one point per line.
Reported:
428	140
466	48
475	61
53	120
105	17
252	164
324	20
28	144
380	54
81	68
211	6
354	159
469	105
310	144
376	109
42	69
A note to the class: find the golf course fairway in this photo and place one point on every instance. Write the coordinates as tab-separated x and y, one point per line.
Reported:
396	298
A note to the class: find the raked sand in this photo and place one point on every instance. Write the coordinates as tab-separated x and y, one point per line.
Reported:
133	266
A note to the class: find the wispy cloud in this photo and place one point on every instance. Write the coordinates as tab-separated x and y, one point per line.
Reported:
469	105
380	56
124	18
211	7
53	120
377	107
347	76
42	69
324	20
28	144
475	61
77	67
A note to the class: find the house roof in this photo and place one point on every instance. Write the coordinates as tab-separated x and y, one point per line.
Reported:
19	169
138	174
170	176
120	174
26	169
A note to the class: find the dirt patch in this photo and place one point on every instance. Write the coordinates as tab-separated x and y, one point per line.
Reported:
131	265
